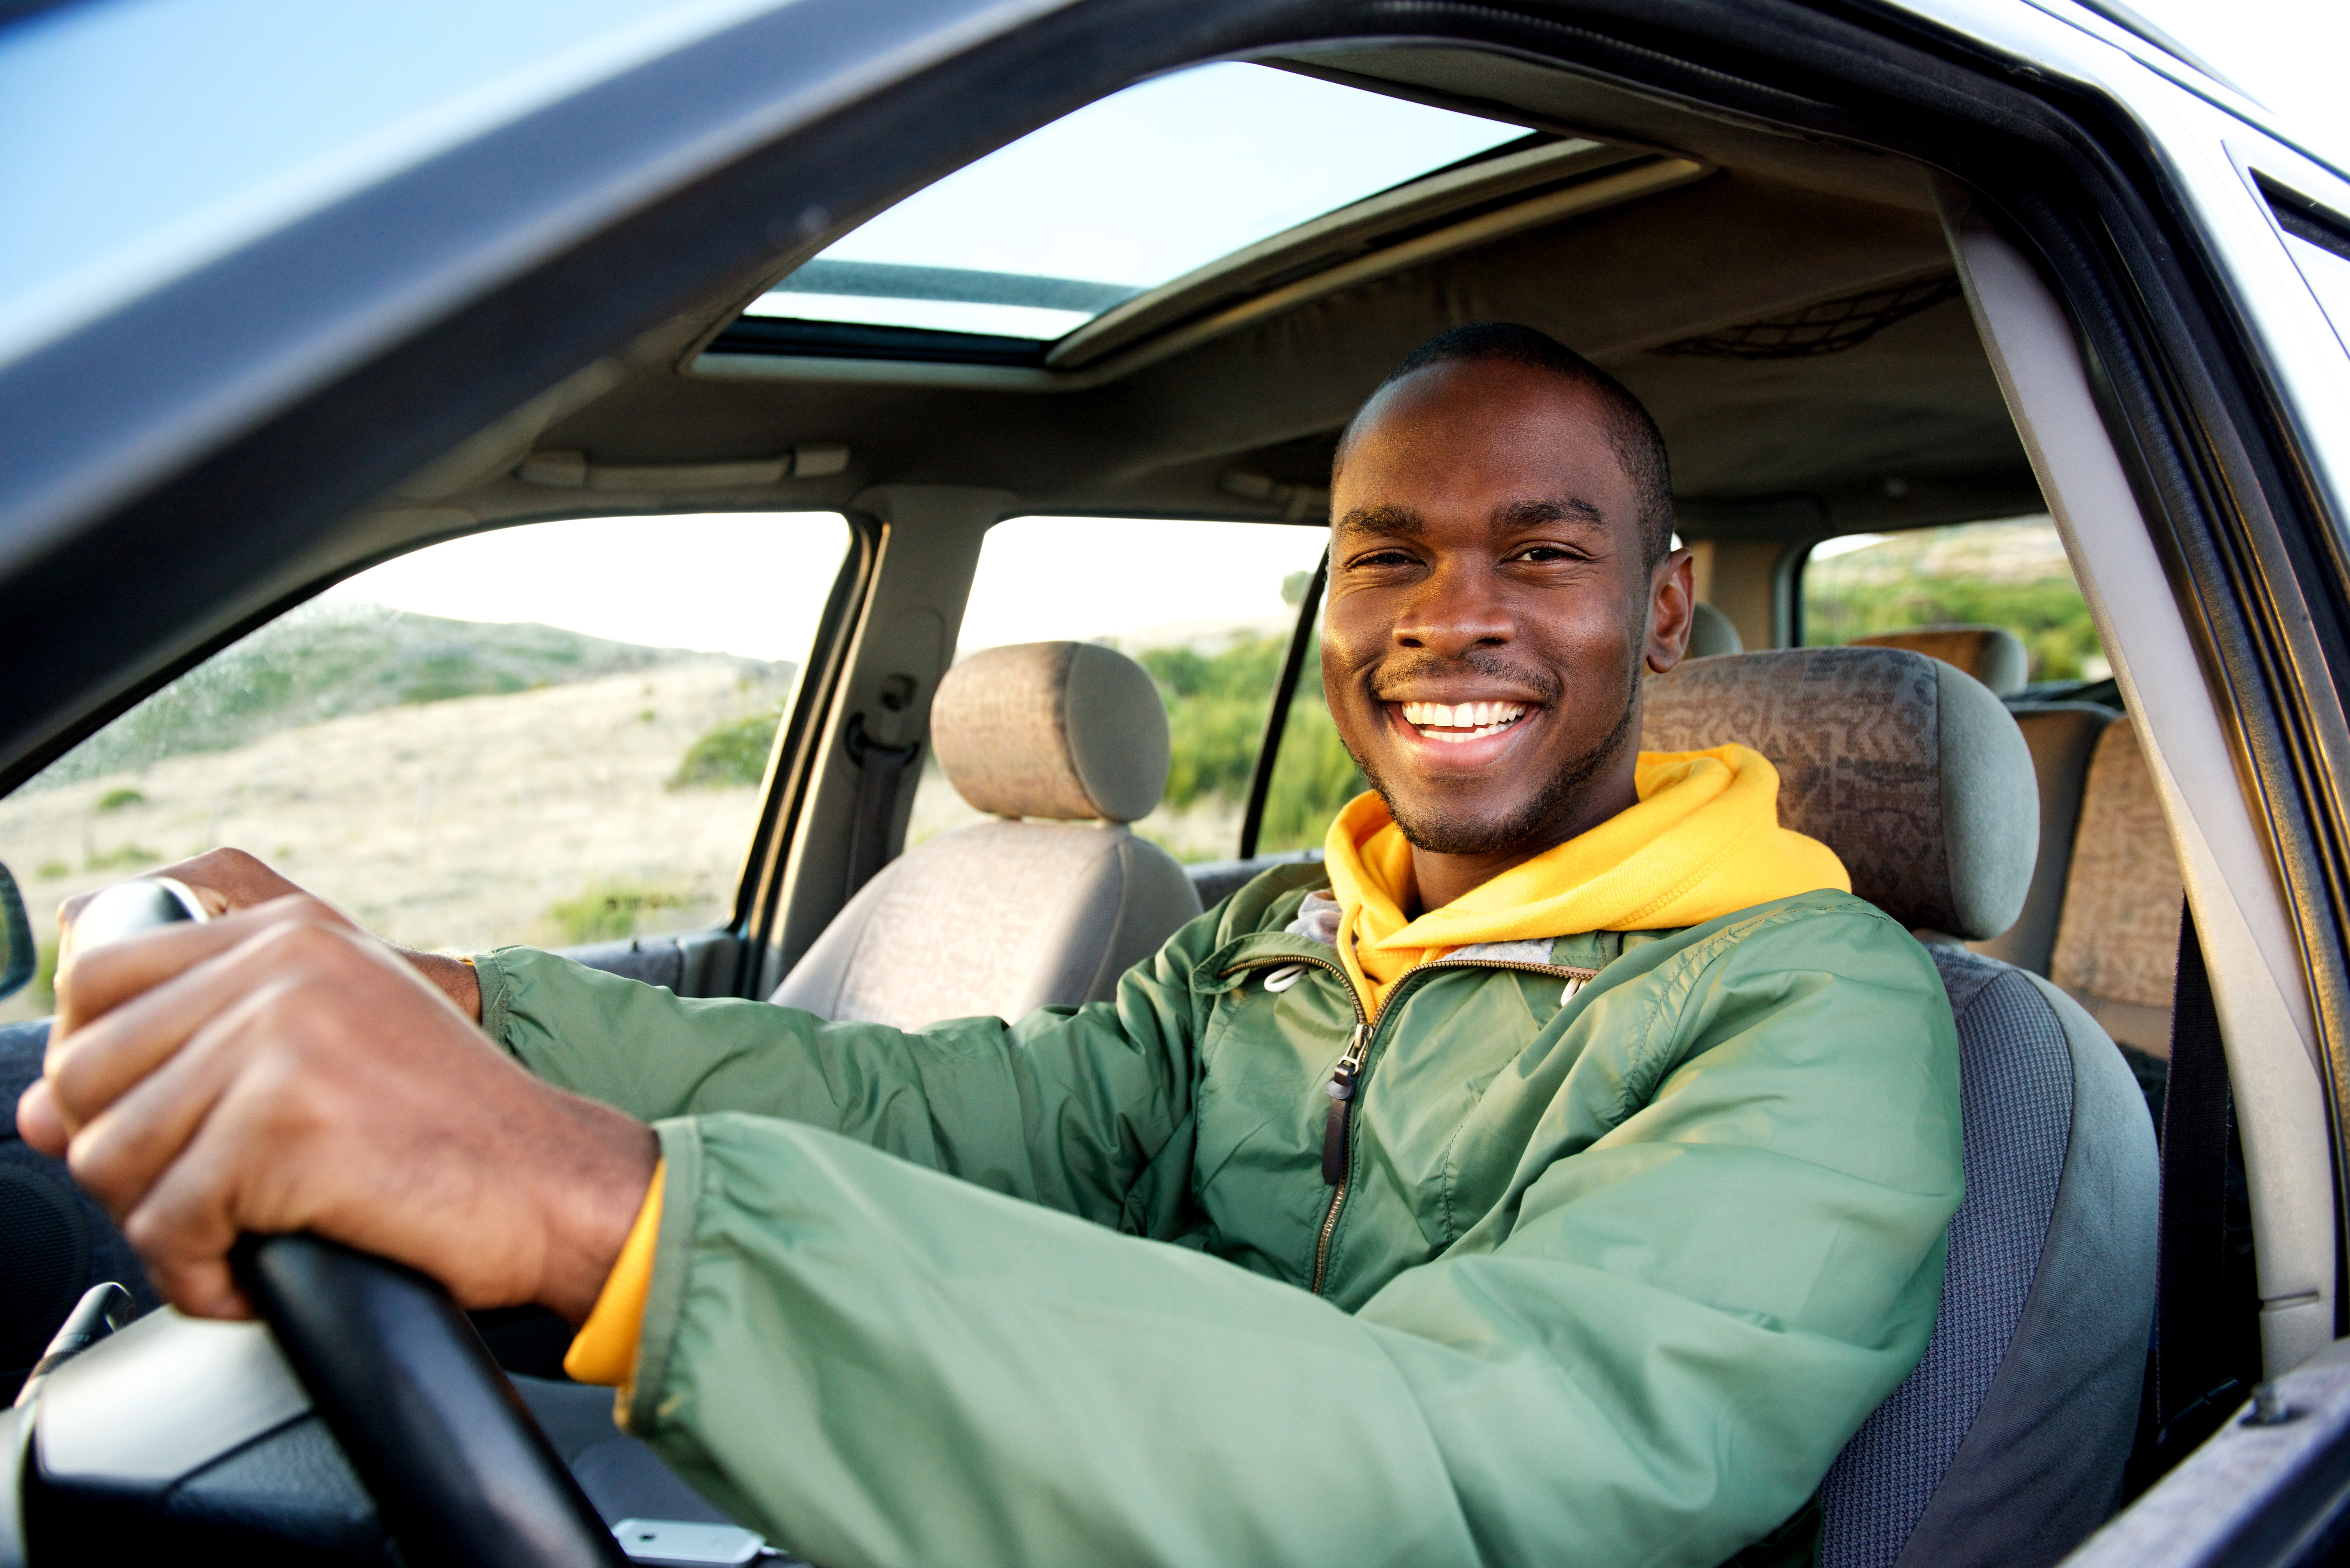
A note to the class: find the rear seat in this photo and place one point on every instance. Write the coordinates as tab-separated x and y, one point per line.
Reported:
2117	950
1991	654
2062	736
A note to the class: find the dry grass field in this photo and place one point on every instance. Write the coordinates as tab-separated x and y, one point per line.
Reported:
539	816
544	816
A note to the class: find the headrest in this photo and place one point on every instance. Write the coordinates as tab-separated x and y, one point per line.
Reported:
1064	731
1910	769
1712	633
1991	654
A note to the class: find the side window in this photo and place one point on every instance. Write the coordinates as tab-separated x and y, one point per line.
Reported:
2010	573
550	733
1313	774
2319	242
1206	608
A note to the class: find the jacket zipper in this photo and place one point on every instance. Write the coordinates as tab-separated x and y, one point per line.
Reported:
1346	1077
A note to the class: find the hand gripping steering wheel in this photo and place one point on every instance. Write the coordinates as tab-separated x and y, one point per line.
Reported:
443	1443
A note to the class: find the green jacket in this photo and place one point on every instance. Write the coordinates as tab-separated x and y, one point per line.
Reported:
1629	1244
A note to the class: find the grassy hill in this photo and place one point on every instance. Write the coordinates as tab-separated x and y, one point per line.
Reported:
337	658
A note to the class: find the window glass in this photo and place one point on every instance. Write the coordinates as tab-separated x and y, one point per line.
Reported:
552	733
1206	608
2319	242
2012	573
1121	196
1312	774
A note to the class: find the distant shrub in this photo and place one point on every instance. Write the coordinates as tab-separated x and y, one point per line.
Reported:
129	857
608	911
2010	573
51	870
1215	719
117	799
733	754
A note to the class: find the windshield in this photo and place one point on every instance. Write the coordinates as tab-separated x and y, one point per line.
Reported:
1041	236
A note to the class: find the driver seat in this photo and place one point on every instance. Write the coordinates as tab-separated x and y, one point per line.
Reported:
2005	1445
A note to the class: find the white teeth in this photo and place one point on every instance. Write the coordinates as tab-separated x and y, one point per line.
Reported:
1454	721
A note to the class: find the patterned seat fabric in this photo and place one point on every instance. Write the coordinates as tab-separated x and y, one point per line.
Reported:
1991	654
2063	737
2117	940
1909	769
2006	1443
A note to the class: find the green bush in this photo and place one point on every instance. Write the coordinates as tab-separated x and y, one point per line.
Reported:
733	754
607	911
117	799
1313	776
1215	719
1998	573
129	857
1215	713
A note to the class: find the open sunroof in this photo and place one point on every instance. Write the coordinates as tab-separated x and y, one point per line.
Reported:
1125	195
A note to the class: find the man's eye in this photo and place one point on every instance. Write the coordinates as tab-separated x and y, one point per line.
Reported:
1382	559
1544	553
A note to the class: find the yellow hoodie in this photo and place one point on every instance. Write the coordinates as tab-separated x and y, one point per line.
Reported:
1703	840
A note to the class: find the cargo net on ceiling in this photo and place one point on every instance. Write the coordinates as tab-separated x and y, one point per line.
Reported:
1830	327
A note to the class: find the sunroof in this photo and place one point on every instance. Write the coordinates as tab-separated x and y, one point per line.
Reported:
1041	236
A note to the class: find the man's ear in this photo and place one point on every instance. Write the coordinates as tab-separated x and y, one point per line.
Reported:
1672	610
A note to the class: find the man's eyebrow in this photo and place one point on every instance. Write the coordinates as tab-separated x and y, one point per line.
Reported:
1561	509
1388	522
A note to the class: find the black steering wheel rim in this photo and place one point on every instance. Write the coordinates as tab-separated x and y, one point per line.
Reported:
461	1471
438	1434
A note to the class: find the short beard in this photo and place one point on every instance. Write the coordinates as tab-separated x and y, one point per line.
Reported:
1442	836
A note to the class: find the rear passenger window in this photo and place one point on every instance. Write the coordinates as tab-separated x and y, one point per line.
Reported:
1208	609
2011	574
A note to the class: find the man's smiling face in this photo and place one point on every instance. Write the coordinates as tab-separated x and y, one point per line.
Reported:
1492	608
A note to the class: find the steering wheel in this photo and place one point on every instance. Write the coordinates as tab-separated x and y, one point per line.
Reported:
462	1473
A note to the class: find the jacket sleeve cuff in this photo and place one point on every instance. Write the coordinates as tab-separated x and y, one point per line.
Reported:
680	1194
605	1349
497	996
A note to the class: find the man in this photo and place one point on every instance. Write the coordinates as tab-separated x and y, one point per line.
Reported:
1558	1173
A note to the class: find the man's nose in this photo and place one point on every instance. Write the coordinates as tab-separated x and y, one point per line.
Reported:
1458	607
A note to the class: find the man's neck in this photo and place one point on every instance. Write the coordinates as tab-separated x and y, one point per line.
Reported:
1438	879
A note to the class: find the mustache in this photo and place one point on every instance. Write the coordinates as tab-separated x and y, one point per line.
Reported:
1476	661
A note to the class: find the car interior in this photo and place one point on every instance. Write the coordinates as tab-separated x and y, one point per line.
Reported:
1801	319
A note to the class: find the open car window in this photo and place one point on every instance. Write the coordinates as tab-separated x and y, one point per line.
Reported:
552	733
1206	608
2012	573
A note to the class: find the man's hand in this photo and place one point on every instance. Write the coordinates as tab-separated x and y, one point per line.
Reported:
226	880
277	1069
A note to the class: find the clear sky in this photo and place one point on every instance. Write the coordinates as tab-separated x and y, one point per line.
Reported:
748	583
752	584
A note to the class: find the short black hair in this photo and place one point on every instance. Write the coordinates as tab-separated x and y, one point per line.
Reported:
1632	434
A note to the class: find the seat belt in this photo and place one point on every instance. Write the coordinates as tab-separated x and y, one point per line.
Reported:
2193	1385
878	770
